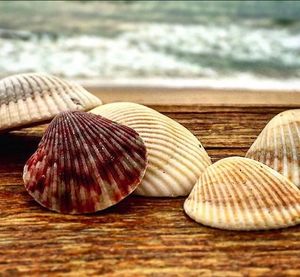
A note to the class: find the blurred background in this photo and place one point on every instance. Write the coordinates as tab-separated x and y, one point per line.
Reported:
215	43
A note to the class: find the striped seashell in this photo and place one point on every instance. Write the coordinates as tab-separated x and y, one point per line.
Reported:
242	194
84	163
278	145
176	157
30	98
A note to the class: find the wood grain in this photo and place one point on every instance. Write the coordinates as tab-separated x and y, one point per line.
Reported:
140	236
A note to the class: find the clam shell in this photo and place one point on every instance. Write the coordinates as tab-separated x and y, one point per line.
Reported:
29	98
84	163
176	157
243	194
278	145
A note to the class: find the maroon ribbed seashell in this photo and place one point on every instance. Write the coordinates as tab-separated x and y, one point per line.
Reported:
85	163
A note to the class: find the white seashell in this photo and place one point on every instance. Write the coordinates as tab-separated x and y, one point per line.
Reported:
176	157
242	194
85	163
29	98
278	145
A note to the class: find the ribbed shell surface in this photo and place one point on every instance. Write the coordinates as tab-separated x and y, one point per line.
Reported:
84	163
29	98
243	194
278	145
176	157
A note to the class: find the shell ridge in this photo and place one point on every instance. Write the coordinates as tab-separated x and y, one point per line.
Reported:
275	151
151	184
173	151
267	188
75	94
34	93
267	138
162	119
210	192
254	192
100	158
118	138
23	104
80	163
217	212
10	87
52	141
276	191
71	152
237	193
130	160
296	177
42	96
81	95
160	162
293	172
264	190
283	144
124	121
234	191
7	108
15	100
184	150
249	205
42	84
279	145
245	204
197	188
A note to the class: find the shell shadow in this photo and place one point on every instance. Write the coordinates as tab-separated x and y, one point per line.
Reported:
15	149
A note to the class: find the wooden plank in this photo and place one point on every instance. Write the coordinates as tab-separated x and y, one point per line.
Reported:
140	236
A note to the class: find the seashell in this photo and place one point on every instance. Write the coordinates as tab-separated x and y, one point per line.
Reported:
29	98
84	163
278	145
242	194
176	157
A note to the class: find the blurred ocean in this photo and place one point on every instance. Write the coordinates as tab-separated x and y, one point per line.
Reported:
248	40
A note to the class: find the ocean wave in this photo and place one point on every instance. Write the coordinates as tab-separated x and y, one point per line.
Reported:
160	50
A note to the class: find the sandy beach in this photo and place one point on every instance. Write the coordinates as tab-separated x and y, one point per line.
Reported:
171	92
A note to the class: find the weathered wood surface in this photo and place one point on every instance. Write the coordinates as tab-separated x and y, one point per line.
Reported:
140	236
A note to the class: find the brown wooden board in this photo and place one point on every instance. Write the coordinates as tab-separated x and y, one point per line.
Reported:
140	236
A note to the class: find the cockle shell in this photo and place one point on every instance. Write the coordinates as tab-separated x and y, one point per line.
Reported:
176	157
278	145
242	194
29	98
84	163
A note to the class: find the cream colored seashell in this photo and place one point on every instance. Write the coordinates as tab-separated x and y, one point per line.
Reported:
176	158
242	194
29	98
278	145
